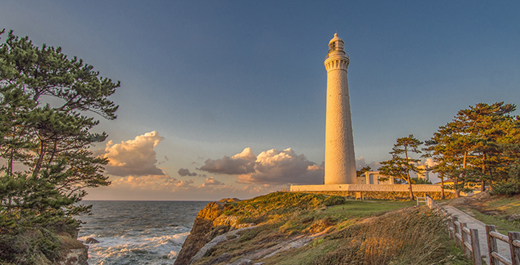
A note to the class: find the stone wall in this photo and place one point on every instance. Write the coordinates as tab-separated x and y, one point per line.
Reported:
383	191
386	195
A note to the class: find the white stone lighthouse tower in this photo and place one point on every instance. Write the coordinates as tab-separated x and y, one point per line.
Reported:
340	162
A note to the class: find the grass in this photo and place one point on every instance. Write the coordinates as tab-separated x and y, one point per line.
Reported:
410	236
357	232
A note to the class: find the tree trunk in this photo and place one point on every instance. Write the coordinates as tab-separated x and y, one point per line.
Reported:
411	192
38	165
442	188
457	189
408	173
482	180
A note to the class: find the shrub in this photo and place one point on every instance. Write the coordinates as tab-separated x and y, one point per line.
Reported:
506	188
334	200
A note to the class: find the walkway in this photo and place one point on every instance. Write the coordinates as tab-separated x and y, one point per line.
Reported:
476	224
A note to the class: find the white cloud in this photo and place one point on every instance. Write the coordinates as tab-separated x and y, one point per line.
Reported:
151	182
429	162
134	157
241	163
270	167
211	181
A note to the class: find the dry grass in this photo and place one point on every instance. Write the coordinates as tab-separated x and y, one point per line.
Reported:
409	236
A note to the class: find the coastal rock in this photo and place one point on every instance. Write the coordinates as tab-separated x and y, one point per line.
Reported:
203	231
76	256
77	252
91	240
214	242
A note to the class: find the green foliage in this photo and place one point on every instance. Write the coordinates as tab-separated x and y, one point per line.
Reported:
50	144
420	181
362	171
334	200
507	188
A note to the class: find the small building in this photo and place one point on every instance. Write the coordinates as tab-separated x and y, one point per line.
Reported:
375	178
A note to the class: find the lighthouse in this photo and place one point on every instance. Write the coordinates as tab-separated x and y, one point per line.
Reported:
340	162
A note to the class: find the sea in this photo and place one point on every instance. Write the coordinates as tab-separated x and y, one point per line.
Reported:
137	232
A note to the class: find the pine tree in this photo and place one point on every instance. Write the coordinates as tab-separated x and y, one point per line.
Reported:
401	163
51	142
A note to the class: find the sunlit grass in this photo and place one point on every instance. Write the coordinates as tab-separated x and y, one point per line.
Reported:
358	231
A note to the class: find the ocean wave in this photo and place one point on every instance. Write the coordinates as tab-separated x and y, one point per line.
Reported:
136	250
133	232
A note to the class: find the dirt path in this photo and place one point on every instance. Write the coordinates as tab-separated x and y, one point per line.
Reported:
476	224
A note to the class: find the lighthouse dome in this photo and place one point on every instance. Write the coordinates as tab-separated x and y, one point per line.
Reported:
336	44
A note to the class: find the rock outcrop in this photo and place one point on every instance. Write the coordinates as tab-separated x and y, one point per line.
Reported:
77	256
207	226
77	252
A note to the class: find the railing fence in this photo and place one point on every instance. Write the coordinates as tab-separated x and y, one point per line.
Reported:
467	239
512	238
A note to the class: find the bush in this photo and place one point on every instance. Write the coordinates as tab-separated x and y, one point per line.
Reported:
334	200
506	188
36	245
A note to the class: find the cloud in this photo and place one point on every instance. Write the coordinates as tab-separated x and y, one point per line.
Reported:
184	183
270	167
360	163
242	163
134	157
429	162
151	182
183	172
211	181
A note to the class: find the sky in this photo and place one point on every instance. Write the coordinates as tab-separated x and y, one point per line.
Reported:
224	99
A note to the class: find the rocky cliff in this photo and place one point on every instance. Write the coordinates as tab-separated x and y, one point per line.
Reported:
208	224
76	251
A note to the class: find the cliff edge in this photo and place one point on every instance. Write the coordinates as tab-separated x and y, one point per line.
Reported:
205	228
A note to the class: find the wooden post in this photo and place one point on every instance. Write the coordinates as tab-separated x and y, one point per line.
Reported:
515	251
475	245
450	226
492	244
462	225
455	229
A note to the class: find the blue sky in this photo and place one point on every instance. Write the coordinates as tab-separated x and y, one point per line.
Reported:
212	78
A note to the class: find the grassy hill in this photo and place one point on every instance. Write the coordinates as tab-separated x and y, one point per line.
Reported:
299	228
